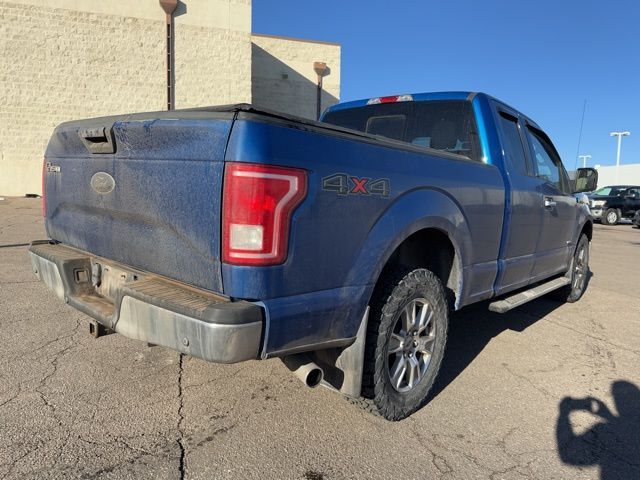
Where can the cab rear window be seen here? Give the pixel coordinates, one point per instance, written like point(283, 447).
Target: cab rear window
point(445, 125)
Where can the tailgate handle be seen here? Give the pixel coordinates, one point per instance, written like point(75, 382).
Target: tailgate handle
point(98, 140)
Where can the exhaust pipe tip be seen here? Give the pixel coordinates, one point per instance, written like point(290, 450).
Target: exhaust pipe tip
point(305, 369)
point(314, 377)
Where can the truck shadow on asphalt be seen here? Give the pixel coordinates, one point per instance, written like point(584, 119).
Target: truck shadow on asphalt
point(612, 442)
point(471, 329)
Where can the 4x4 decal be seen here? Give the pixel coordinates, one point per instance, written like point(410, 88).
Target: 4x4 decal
point(345, 184)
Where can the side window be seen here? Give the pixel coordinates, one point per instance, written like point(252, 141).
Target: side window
point(546, 162)
point(513, 147)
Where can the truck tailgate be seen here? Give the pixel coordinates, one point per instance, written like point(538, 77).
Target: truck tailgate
point(143, 190)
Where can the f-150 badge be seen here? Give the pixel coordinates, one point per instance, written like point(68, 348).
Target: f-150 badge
point(344, 184)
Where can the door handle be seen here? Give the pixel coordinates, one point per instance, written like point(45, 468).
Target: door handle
point(549, 203)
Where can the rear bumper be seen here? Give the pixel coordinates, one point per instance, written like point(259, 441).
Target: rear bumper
point(151, 308)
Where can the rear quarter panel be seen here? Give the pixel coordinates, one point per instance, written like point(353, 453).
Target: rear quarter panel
point(340, 243)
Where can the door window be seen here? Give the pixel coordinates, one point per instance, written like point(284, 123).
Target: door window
point(513, 148)
point(633, 191)
point(546, 162)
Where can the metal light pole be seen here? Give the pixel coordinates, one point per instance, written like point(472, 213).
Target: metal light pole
point(619, 135)
point(321, 70)
point(169, 6)
point(584, 159)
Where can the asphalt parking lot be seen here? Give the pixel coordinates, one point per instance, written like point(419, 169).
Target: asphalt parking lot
point(548, 391)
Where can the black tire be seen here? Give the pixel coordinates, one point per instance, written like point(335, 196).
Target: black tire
point(579, 274)
point(611, 216)
point(421, 348)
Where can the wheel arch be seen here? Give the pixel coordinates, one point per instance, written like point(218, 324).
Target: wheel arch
point(587, 229)
point(424, 220)
point(433, 249)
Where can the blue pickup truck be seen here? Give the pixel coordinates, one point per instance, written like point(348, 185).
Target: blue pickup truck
point(234, 233)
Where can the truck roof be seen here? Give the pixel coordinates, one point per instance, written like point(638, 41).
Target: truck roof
point(426, 96)
point(416, 97)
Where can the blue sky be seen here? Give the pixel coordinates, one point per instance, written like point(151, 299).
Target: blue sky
point(544, 58)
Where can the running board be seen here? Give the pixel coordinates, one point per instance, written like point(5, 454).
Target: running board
point(517, 299)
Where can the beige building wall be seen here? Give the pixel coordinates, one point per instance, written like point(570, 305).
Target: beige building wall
point(212, 52)
point(283, 77)
point(70, 59)
point(623, 175)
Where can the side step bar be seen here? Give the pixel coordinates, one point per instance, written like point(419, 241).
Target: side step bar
point(520, 298)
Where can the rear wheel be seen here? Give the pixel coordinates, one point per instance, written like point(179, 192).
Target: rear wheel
point(579, 273)
point(405, 343)
point(610, 217)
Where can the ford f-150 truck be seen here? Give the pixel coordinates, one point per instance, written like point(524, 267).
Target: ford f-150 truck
point(234, 233)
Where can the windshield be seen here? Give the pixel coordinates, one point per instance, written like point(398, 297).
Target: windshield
point(446, 125)
point(609, 191)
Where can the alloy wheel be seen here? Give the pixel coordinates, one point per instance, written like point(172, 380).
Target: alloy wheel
point(580, 268)
point(410, 345)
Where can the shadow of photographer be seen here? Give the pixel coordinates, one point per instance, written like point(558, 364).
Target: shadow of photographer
point(613, 443)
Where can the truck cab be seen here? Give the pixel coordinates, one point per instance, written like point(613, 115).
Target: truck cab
point(538, 228)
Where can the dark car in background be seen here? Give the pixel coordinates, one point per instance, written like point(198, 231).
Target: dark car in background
point(610, 204)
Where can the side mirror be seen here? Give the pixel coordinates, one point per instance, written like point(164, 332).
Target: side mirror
point(586, 180)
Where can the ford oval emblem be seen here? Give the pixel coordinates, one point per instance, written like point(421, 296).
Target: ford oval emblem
point(102, 183)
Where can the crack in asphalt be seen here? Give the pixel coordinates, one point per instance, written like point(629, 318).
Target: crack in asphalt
point(54, 363)
point(19, 282)
point(449, 444)
point(240, 368)
point(181, 466)
point(525, 379)
point(551, 319)
point(42, 383)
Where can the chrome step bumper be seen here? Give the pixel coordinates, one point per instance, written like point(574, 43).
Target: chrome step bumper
point(151, 308)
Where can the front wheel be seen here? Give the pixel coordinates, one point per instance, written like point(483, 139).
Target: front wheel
point(579, 273)
point(405, 343)
point(610, 217)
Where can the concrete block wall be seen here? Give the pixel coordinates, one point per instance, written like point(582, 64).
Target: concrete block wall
point(70, 59)
point(283, 78)
point(213, 66)
point(212, 52)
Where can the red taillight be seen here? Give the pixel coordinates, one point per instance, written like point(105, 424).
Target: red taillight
point(256, 212)
point(44, 184)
